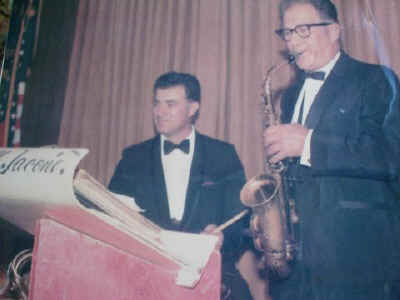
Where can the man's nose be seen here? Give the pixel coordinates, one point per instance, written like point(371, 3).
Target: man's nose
point(295, 41)
point(160, 110)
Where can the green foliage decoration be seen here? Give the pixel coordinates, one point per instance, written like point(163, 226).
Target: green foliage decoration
point(5, 14)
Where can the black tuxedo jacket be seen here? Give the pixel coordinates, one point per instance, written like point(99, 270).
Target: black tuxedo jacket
point(216, 177)
point(348, 199)
point(355, 118)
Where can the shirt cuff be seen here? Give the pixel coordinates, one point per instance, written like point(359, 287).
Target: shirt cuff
point(305, 158)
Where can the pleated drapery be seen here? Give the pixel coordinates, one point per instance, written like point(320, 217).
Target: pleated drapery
point(121, 47)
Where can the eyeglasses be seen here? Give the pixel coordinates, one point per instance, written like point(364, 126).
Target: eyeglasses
point(302, 30)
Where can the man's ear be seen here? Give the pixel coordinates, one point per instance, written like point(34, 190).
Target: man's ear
point(193, 108)
point(334, 32)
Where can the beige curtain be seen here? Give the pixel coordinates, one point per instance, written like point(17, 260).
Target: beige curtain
point(120, 47)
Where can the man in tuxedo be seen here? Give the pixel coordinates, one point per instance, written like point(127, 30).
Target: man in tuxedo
point(340, 136)
point(184, 180)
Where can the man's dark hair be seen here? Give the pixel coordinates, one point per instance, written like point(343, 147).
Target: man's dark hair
point(188, 81)
point(327, 10)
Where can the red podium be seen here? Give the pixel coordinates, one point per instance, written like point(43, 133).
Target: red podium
point(77, 256)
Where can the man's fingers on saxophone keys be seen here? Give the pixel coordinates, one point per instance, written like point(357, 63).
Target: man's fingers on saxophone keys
point(284, 141)
point(277, 157)
point(271, 136)
point(272, 152)
point(274, 143)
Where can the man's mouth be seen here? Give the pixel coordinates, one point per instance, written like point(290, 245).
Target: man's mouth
point(297, 54)
point(162, 121)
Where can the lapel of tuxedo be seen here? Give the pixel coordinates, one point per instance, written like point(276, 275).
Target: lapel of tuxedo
point(159, 186)
point(290, 100)
point(328, 92)
point(195, 181)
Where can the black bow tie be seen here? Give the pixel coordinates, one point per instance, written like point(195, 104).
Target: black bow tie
point(183, 146)
point(315, 75)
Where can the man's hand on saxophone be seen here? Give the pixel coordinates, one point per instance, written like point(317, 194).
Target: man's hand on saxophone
point(284, 141)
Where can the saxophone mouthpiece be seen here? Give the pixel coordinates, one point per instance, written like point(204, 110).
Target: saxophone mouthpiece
point(292, 57)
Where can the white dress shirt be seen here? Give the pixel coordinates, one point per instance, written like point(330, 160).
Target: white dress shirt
point(309, 91)
point(176, 166)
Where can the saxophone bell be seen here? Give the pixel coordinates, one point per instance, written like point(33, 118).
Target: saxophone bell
point(262, 193)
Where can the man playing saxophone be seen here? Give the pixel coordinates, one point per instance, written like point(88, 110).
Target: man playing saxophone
point(341, 130)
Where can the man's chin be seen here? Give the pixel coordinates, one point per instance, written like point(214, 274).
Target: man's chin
point(305, 66)
point(301, 62)
point(160, 130)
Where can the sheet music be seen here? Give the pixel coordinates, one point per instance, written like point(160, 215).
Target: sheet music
point(34, 181)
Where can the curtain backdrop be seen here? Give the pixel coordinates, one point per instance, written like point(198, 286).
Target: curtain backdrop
point(121, 47)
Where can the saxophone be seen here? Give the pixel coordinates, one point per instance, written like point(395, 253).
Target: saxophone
point(273, 213)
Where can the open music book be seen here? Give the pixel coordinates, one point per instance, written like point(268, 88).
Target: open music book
point(36, 181)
